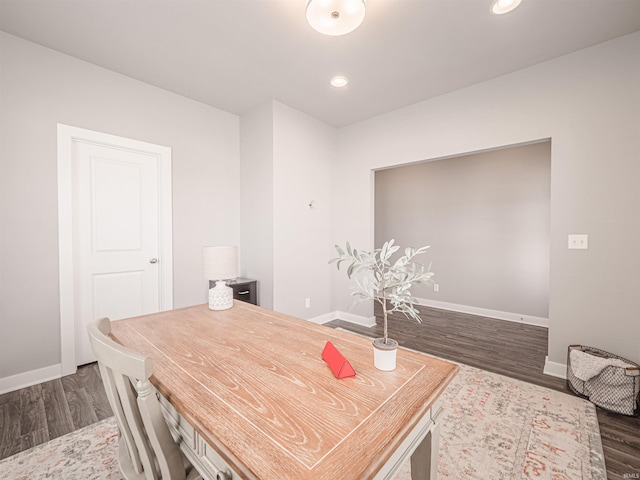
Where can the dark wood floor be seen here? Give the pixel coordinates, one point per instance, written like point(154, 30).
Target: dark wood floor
point(37, 414)
point(40, 413)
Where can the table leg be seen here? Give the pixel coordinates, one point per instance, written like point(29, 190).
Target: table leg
point(424, 460)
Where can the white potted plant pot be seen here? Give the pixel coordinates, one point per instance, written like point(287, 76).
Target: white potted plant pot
point(384, 354)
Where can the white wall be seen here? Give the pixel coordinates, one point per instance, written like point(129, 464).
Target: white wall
point(286, 162)
point(304, 149)
point(41, 88)
point(256, 192)
point(588, 104)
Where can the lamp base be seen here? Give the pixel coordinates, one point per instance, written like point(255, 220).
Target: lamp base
point(220, 296)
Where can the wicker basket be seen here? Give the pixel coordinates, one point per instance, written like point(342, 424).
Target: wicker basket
point(615, 389)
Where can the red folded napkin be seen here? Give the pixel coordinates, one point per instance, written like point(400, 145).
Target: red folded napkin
point(339, 365)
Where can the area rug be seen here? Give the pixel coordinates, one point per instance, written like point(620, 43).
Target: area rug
point(88, 453)
point(492, 428)
point(495, 427)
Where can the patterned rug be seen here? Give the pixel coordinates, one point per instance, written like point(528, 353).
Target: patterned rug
point(492, 428)
point(88, 453)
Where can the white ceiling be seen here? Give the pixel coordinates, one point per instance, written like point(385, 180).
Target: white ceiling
point(237, 54)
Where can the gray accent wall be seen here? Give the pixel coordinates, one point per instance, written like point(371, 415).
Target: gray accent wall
point(486, 218)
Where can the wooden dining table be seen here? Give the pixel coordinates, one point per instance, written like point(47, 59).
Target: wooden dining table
point(248, 396)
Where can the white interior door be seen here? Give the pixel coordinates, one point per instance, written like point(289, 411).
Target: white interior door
point(116, 228)
point(115, 233)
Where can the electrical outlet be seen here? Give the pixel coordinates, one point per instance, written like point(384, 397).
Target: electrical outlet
point(436, 287)
point(307, 303)
point(579, 242)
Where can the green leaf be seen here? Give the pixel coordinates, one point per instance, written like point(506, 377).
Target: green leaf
point(383, 251)
point(382, 281)
point(351, 269)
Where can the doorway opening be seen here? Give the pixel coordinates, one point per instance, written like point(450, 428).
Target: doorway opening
point(486, 216)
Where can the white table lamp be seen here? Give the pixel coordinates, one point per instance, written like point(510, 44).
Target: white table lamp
point(220, 264)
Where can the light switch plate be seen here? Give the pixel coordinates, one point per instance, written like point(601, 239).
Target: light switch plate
point(579, 242)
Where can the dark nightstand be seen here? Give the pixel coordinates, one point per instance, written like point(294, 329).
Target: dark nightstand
point(244, 289)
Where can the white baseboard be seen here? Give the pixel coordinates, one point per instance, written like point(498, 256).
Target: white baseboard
point(357, 319)
point(484, 312)
point(555, 369)
point(347, 317)
point(27, 379)
point(327, 317)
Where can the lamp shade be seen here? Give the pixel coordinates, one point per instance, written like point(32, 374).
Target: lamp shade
point(220, 263)
point(335, 17)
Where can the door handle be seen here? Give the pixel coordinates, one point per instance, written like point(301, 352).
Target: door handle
point(153, 260)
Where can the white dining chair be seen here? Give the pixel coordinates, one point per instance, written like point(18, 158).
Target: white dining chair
point(146, 449)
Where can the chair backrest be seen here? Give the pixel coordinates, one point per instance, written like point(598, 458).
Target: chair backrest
point(150, 453)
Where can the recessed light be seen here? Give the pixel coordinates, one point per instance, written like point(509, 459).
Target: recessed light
point(339, 81)
point(500, 7)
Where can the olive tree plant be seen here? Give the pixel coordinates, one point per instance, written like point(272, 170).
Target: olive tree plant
point(387, 283)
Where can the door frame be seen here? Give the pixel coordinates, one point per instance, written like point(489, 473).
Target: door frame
point(67, 136)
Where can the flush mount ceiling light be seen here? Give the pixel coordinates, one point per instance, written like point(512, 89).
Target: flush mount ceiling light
point(500, 7)
point(339, 81)
point(335, 17)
